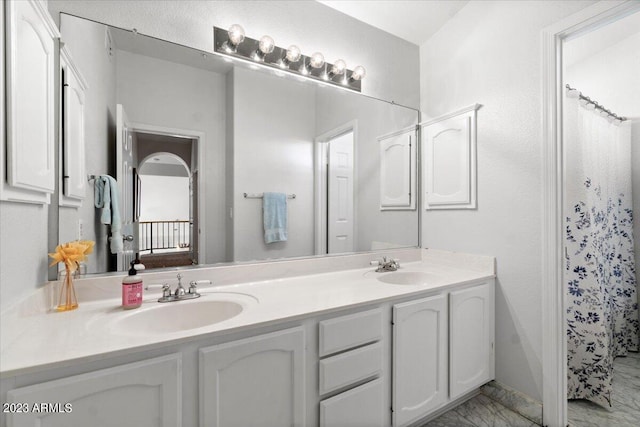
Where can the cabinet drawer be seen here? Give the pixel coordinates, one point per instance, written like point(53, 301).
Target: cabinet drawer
point(361, 407)
point(348, 368)
point(343, 333)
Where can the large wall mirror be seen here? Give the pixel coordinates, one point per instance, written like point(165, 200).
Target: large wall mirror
point(195, 140)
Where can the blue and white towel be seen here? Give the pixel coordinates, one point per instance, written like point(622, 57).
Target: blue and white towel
point(274, 212)
point(106, 197)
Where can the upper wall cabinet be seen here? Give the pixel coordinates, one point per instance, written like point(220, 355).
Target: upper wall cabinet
point(73, 158)
point(398, 170)
point(449, 160)
point(31, 77)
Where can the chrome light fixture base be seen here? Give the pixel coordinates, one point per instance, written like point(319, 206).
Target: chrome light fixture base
point(247, 48)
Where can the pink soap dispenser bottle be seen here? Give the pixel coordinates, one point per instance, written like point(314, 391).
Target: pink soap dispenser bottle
point(132, 289)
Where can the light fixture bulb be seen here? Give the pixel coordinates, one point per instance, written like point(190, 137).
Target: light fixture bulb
point(236, 34)
point(266, 44)
point(339, 67)
point(293, 53)
point(316, 60)
point(358, 73)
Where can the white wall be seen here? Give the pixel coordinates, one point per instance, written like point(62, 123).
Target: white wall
point(391, 63)
point(164, 198)
point(274, 128)
point(610, 76)
point(163, 93)
point(490, 53)
point(374, 119)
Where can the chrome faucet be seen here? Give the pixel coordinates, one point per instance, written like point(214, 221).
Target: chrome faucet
point(180, 293)
point(384, 265)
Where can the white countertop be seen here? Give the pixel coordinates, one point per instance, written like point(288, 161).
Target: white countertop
point(33, 339)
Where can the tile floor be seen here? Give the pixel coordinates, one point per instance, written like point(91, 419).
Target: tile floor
point(625, 410)
point(482, 411)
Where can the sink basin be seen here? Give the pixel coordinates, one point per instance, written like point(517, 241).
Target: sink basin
point(177, 316)
point(407, 278)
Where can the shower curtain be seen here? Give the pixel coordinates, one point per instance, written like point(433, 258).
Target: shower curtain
point(602, 306)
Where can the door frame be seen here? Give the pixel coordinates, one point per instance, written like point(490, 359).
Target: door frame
point(554, 343)
point(320, 183)
point(199, 138)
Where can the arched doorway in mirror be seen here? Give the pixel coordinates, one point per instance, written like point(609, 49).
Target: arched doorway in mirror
point(166, 204)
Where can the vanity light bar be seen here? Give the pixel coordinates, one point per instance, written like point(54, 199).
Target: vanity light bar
point(234, 44)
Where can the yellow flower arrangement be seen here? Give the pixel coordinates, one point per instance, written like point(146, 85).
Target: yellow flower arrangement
point(72, 253)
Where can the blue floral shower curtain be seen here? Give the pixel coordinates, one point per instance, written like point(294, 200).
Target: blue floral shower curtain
point(602, 307)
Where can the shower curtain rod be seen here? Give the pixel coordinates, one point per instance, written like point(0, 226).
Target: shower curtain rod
point(597, 106)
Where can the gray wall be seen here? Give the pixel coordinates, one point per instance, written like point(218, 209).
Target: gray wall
point(490, 53)
point(273, 134)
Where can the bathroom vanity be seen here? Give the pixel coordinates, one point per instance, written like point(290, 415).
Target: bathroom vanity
point(341, 347)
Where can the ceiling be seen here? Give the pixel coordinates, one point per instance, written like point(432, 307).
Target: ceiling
point(412, 20)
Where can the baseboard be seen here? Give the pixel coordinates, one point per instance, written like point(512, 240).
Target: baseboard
point(518, 402)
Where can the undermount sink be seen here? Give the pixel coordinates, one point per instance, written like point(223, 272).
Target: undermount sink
point(405, 277)
point(177, 316)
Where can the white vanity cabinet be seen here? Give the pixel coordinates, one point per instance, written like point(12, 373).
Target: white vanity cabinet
point(257, 381)
point(141, 394)
point(419, 358)
point(442, 350)
point(471, 338)
point(31, 92)
point(393, 363)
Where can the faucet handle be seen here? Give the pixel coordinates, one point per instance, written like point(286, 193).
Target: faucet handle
point(166, 289)
point(193, 285)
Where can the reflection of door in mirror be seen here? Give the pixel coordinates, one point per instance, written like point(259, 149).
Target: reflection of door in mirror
point(335, 190)
point(167, 200)
point(125, 162)
point(340, 194)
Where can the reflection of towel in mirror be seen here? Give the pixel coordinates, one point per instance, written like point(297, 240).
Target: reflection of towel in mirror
point(274, 212)
point(106, 198)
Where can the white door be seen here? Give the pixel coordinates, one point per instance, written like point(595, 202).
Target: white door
point(471, 356)
point(258, 381)
point(141, 394)
point(124, 176)
point(340, 194)
point(419, 358)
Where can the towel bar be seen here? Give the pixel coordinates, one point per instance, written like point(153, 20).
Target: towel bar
point(259, 196)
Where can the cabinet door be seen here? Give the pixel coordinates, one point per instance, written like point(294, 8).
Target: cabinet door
point(142, 394)
point(30, 102)
point(471, 357)
point(258, 381)
point(449, 160)
point(361, 407)
point(74, 178)
point(419, 358)
point(397, 171)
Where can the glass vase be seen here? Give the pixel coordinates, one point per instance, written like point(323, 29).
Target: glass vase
point(65, 296)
